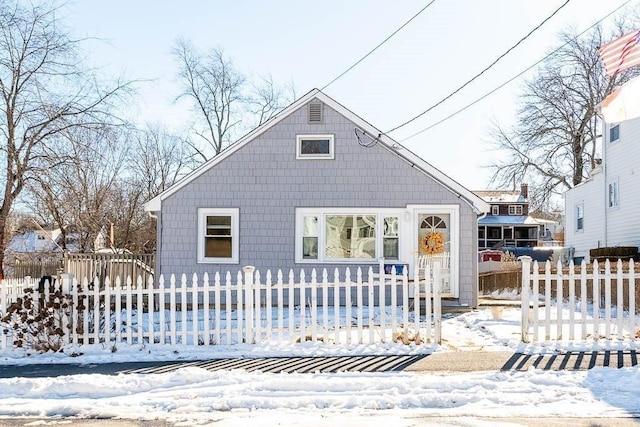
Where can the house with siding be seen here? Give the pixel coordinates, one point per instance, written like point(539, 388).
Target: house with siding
point(36, 241)
point(604, 210)
point(317, 187)
point(508, 224)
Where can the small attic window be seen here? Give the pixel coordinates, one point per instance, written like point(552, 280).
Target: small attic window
point(314, 147)
point(315, 112)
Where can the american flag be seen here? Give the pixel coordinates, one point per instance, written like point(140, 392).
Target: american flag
point(621, 53)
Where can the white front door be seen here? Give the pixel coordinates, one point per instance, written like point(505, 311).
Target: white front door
point(434, 245)
point(435, 239)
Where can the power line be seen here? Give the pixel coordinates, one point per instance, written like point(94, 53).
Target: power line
point(514, 77)
point(481, 72)
point(380, 44)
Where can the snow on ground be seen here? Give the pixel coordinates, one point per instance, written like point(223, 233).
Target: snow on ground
point(194, 396)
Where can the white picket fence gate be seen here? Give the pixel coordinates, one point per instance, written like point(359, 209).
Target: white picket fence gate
point(578, 305)
point(197, 311)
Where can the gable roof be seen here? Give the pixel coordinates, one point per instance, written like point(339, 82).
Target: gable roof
point(32, 241)
point(501, 196)
point(477, 203)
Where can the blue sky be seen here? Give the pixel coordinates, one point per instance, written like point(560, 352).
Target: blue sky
point(310, 43)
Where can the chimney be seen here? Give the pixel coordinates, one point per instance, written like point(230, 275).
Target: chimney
point(524, 191)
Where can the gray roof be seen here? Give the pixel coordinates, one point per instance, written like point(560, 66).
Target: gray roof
point(508, 220)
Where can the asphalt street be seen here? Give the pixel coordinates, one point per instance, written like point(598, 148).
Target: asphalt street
point(459, 361)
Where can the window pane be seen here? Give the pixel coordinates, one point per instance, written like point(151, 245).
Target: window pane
point(613, 194)
point(314, 146)
point(350, 236)
point(390, 246)
point(579, 217)
point(310, 247)
point(217, 247)
point(218, 226)
point(391, 226)
point(614, 133)
point(310, 226)
point(219, 221)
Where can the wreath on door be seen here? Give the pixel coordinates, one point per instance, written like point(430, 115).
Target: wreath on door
point(432, 243)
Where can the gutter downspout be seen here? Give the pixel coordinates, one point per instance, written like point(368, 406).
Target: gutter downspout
point(605, 190)
point(156, 264)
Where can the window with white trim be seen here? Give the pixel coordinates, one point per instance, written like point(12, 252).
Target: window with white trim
point(579, 217)
point(614, 133)
point(314, 147)
point(515, 209)
point(613, 194)
point(346, 235)
point(218, 235)
point(495, 210)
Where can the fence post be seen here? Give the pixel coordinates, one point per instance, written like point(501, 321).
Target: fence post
point(437, 304)
point(526, 271)
point(248, 283)
point(66, 287)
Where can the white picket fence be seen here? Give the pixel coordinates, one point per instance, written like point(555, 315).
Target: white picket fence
point(199, 311)
point(578, 305)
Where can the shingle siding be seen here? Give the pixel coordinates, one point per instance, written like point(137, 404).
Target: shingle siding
point(266, 182)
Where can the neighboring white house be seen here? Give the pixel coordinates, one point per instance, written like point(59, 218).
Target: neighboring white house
point(29, 243)
point(604, 210)
point(35, 241)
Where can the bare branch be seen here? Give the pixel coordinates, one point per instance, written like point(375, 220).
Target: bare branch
point(553, 145)
point(45, 93)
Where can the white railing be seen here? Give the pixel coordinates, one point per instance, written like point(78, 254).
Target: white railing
point(222, 311)
point(591, 303)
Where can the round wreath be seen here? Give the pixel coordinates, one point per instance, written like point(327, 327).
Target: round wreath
point(432, 243)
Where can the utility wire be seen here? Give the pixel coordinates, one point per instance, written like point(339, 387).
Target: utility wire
point(481, 72)
point(380, 44)
point(514, 77)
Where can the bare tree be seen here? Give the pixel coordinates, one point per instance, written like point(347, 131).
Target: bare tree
point(553, 145)
point(157, 160)
point(100, 188)
point(44, 91)
point(79, 192)
point(267, 99)
point(214, 85)
point(225, 101)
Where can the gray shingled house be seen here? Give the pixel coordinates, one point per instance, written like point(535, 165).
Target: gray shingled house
point(318, 187)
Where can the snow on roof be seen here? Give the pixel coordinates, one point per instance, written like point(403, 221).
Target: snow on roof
point(500, 196)
point(508, 220)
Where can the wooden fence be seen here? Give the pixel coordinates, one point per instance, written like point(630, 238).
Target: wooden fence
point(581, 303)
point(33, 268)
point(103, 265)
point(91, 265)
point(197, 311)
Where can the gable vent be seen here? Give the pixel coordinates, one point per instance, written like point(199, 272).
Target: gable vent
point(315, 112)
